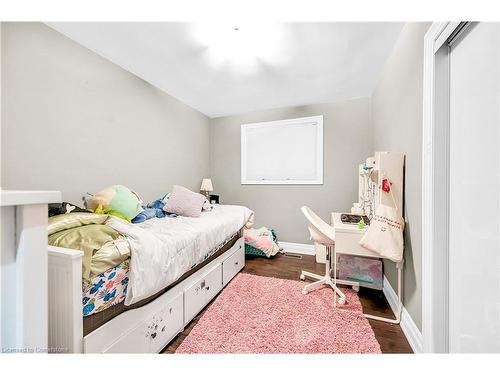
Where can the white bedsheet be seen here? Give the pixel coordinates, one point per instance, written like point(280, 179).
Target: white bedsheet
point(164, 249)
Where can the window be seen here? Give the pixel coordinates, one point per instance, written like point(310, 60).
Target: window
point(283, 152)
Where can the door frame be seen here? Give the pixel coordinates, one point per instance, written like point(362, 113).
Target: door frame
point(435, 184)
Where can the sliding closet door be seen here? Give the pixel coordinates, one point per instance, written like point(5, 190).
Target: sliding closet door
point(474, 225)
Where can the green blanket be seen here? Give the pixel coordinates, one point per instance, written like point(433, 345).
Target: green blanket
point(102, 246)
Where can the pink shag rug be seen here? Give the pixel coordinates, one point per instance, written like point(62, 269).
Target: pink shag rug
point(256, 314)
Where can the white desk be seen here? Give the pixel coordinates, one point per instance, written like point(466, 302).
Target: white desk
point(347, 237)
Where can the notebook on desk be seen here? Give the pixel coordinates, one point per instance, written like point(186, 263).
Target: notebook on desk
point(353, 219)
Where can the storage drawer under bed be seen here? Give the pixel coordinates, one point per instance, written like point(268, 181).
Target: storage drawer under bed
point(234, 263)
point(204, 289)
point(201, 292)
point(148, 336)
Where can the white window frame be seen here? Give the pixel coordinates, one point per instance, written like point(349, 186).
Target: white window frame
point(319, 150)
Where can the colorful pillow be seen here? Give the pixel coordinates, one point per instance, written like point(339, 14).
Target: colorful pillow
point(184, 202)
point(116, 200)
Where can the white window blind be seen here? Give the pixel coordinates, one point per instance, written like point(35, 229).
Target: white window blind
point(282, 152)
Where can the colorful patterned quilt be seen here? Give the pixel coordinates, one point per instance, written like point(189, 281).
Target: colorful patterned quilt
point(107, 289)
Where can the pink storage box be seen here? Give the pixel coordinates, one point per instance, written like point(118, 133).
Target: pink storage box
point(367, 271)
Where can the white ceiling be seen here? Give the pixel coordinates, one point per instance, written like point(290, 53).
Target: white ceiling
point(222, 71)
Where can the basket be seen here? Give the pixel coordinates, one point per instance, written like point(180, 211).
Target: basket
point(253, 251)
point(250, 250)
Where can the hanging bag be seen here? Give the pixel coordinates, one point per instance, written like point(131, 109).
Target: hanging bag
point(385, 233)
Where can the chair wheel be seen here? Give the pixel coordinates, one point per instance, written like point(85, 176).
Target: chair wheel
point(304, 291)
point(302, 277)
point(355, 288)
point(341, 301)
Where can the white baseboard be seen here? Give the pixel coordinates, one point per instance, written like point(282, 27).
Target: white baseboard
point(297, 248)
point(410, 329)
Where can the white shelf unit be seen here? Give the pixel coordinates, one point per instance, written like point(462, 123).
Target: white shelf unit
point(24, 270)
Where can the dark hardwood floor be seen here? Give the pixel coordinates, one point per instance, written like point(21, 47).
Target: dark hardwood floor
point(389, 336)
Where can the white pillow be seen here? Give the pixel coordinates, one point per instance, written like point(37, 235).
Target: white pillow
point(207, 206)
point(184, 202)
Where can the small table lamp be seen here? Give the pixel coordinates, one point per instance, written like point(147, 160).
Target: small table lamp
point(206, 187)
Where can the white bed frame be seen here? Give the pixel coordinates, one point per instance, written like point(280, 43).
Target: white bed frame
point(147, 329)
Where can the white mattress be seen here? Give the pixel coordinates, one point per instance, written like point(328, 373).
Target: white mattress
point(164, 249)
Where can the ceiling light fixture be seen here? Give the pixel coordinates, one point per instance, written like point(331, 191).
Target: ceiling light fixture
point(242, 45)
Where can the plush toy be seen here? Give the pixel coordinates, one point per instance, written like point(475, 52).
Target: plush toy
point(116, 200)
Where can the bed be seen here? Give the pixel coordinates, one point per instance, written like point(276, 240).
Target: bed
point(177, 266)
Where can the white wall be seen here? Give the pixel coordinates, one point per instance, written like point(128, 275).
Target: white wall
point(347, 141)
point(1, 166)
point(75, 122)
point(397, 126)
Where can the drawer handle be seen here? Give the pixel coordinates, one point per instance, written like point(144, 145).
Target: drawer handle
point(236, 263)
point(207, 287)
point(170, 310)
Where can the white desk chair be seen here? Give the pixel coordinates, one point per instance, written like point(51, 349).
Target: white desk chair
point(322, 234)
